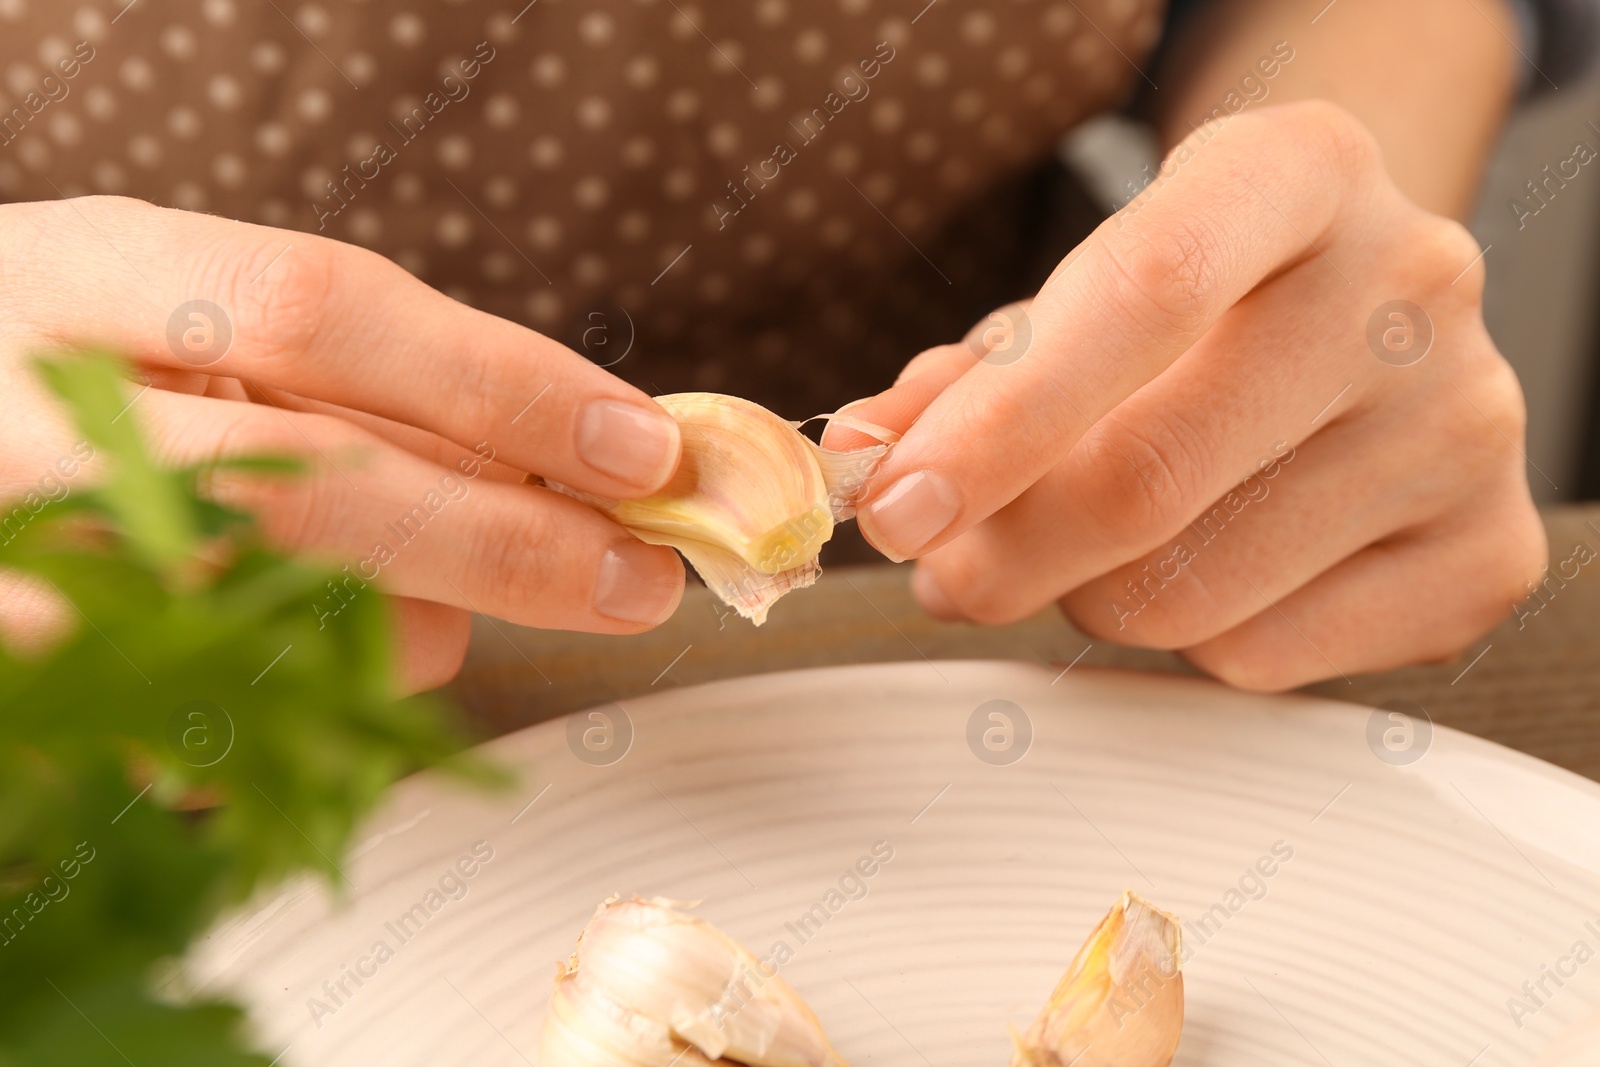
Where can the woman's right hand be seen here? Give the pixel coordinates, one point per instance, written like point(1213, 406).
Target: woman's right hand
point(257, 340)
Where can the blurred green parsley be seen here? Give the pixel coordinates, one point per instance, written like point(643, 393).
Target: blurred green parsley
point(196, 675)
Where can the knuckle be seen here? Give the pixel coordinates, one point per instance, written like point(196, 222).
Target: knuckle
point(1508, 568)
point(1235, 662)
point(1180, 616)
point(519, 555)
point(1098, 615)
point(1526, 557)
point(299, 513)
point(254, 433)
point(1341, 142)
point(1504, 403)
point(1094, 616)
point(280, 310)
point(296, 512)
point(976, 417)
point(1494, 422)
point(1455, 246)
point(1171, 274)
point(1139, 483)
point(1516, 562)
point(1433, 256)
point(1154, 604)
point(987, 601)
point(982, 591)
point(473, 395)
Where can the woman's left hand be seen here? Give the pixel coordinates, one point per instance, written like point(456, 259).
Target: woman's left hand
point(1256, 417)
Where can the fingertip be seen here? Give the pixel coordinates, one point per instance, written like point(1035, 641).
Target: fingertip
point(932, 597)
point(842, 438)
point(1241, 674)
point(431, 640)
point(637, 445)
point(911, 515)
point(941, 360)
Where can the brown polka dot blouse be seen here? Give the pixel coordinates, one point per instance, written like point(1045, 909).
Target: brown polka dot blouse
point(784, 199)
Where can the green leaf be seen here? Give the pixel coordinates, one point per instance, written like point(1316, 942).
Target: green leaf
point(148, 503)
point(219, 684)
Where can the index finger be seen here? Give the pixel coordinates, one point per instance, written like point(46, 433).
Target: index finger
point(1231, 207)
point(337, 323)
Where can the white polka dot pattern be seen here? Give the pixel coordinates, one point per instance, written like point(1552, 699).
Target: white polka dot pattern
point(724, 165)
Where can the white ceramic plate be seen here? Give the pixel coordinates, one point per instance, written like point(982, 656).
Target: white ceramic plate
point(1406, 906)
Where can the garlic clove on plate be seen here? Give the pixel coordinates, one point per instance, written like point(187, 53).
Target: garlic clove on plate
point(586, 1026)
point(752, 502)
point(1120, 1004)
point(649, 982)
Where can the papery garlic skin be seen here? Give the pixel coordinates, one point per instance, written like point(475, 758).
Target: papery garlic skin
point(1120, 1004)
point(650, 982)
point(752, 502)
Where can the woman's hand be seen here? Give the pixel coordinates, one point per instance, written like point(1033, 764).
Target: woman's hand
point(1256, 417)
point(264, 341)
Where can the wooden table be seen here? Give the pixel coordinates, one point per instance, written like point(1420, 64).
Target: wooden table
point(1533, 687)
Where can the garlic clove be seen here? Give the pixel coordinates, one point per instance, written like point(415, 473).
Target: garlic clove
point(1120, 1004)
point(585, 1026)
point(749, 482)
point(647, 974)
point(752, 502)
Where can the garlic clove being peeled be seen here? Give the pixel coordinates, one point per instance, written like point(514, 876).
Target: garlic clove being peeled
point(649, 983)
point(752, 502)
point(1120, 1003)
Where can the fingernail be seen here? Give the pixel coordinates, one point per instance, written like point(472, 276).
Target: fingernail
point(638, 583)
point(630, 443)
point(931, 595)
point(911, 513)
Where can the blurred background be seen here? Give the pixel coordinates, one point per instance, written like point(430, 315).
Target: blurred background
point(1544, 275)
point(1540, 304)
